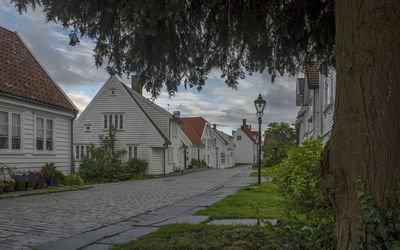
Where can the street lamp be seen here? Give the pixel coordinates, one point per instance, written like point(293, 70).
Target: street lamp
point(111, 132)
point(260, 105)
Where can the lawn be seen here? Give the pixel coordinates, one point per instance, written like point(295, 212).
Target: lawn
point(246, 202)
point(201, 236)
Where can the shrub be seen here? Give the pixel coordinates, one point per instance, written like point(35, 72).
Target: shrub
point(51, 168)
point(136, 166)
point(103, 165)
point(298, 175)
point(195, 162)
point(73, 180)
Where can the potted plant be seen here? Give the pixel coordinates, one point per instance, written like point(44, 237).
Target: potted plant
point(33, 178)
point(9, 185)
point(20, 181)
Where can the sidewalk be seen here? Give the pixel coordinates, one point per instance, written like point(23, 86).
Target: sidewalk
point(132, 228)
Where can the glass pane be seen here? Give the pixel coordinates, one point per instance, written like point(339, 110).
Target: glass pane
point(77, 152)
point(110, 121)
point(105, 121)
point(130, 152)
point(3, 142)
point(39, 133)
point(121, 121)
point(135, 152)
point(116, 122)
point(16, 131)
point(82, 151)
point(49, 134)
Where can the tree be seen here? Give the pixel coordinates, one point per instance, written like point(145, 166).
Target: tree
point(279, 137)
point(167, 42)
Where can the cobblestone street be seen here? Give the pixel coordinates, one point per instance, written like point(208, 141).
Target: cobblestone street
point(34, 220)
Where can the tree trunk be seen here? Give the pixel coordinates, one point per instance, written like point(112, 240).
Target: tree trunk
point(365, 140)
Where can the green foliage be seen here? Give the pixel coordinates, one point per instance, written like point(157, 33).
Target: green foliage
point(298, 175)
point(73, 180)
point(317, 233)
point(51, 168)
point(279, 141)
point(136, 166)
point(103, 165)
point(379, 229)
point(169, 42)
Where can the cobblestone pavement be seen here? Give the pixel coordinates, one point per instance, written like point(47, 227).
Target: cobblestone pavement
point(33, 220)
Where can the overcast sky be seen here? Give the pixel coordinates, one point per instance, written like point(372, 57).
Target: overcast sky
point(74, 70)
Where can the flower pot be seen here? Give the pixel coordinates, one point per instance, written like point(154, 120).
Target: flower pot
point(20, 186)
point(9, 187)
point(31, 184)
point(2, 188)
point(53, 182)
point(40, 184)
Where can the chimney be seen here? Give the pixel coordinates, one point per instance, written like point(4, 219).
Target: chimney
point(250, 127)
point(137, 84)
point(215, 126)
point(177, 114)
point(244, 123)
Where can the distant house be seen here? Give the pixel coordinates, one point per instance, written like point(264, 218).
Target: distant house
point(215, 153)
point(315, 94)
point(192, 141)
point(246, 142)
point(143, 129)
point(35, 114)
point(227, 154)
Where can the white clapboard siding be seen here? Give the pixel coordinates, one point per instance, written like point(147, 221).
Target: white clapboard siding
point(28, 158)
point(244, 150)
point(137, 129)
point(157, 161)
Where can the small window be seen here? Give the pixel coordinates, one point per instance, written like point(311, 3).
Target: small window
point(16, 131)
point(77, 153)
point(113, 92)
point(238, 137)
point(49, 134)
point(121, 121)
point(222, 157)
point(105, 121)
point(87, 128)
point(3, 130)
point(132, 152)
point(116, 120)
point(39, 134)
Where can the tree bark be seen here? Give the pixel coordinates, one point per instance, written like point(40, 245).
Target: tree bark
point(365, 140)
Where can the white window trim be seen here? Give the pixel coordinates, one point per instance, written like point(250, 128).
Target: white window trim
point(86, 148)
point(113, 114)
point(133, 151)
point(44, 150)
point(9, 149)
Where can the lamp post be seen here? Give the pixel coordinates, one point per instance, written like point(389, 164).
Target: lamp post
point(111, 132)
point(260, 105)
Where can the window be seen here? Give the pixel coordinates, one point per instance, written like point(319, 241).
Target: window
point(132, 151)
point(82, 151)
point(238, 137)
point(44, 134)
point(16, 131)
point(117, 120)
point(3, 130)
point(329, 82)
point(222, 157)
point(170, 154)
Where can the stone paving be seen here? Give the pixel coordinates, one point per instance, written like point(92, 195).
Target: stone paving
point(121, 209)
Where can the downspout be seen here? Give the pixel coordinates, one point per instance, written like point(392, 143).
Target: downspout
point(72, 144)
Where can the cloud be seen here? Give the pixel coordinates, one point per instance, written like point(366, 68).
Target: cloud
point(79, 99)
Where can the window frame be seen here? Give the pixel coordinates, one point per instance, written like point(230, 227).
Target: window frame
point(45, 119)
point(79, 149)
point(134, 153)
point(111, 118)
point(10, 114)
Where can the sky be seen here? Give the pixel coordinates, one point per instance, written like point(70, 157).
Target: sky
point(73, 68)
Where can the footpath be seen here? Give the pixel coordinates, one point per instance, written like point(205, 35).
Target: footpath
point(132, 228)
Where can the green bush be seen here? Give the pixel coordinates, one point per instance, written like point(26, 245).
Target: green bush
point(102, 165)
point(298, 175)
point(73, 180)
point(136, 166)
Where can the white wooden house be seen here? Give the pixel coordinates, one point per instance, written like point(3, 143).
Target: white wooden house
point(36, 116)
point(246, 142)
point(315, 95)
point(194, 146)
point(227, 153)
point(143, 129)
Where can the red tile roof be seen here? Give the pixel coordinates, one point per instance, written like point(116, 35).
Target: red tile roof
point(312, 76)
point(191, 134)
point(197, 123)
point(21, 74)
point(167, 141)
point(249, 133)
